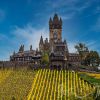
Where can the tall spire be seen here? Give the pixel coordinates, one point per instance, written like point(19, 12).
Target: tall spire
point(41, 40)
point(21, 49)
point(60, 21)
point(50, 21)
point(55, 18)
point(55, 23)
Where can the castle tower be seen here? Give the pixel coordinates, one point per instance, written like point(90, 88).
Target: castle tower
point(55, 29)
point(41, 44)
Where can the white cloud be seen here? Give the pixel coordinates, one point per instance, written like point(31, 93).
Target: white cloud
point(92, 45)
point(68, 16)
point(29, 35)
point(71, 47)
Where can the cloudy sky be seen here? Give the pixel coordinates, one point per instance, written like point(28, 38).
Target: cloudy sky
point(23, 22)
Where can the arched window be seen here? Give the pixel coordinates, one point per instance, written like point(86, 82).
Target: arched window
point(55, 35)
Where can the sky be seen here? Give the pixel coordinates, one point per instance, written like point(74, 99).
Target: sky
point(24, 21)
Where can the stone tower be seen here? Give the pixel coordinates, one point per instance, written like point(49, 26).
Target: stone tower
point(55, 30)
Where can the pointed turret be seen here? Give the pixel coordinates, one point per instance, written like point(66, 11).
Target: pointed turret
point(41, 40)
point(55, 18)
point(41, 44)
point(50, 21)
point(37, 50)
point(66, 46)
point(46, 40)
point(22, 48)
point(60, 21)
point(30, 47)
point(56, 23)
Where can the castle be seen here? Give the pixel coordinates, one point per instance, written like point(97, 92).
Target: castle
point(56, 47)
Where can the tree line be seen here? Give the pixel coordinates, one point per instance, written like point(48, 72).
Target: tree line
point(88, 57)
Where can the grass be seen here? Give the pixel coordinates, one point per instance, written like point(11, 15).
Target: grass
point(4, 74)
point(16, 84)
point(92, 78)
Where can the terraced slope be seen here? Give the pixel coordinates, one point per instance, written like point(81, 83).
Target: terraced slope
point(59, 85)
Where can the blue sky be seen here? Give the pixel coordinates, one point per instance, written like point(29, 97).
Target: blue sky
point(23, 22)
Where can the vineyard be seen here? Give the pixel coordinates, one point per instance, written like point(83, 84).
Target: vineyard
point(15, 83)
point(46, 84)
point(59, 85)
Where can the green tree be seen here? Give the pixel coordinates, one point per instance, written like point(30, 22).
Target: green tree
point(82, 50)
point(92, 58)
point(45, 58)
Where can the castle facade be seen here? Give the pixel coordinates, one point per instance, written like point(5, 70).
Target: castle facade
point(55, 46)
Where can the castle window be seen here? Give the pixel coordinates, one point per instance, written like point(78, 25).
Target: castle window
point(55, 35)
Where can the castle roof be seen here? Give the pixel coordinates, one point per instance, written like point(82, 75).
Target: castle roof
point(25, 53)
point(56, 22)
point(55, 18)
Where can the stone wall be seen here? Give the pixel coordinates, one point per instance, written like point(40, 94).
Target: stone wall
point(7, 64)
